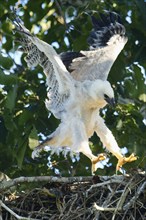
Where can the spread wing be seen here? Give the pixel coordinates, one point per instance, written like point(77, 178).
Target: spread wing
point(59, 81)
point(106, 41)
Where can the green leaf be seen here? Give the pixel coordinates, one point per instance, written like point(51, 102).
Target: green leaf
point(9, 121)
point(20, 155)
point(5, 62)
point(24, 117)
point(7, 79)
point(139, 80)
point(11, 98)
point(33, 138)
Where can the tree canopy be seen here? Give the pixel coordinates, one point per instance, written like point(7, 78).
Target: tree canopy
point(23, 116)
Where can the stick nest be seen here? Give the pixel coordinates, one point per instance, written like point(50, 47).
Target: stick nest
point(93, 198)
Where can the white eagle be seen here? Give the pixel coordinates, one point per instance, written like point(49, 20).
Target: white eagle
point(78, 87)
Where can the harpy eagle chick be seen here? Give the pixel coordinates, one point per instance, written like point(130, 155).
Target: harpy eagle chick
point(78, 87)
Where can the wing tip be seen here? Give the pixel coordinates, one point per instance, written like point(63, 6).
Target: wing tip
point(104, 28)
point(18, 23)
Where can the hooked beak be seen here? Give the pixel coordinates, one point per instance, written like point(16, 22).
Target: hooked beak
point(110, 101)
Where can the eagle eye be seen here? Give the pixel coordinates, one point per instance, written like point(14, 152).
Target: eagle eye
point(106, 96)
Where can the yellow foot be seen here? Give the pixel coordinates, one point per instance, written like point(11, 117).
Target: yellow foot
point(96, 160)
point(124, 160)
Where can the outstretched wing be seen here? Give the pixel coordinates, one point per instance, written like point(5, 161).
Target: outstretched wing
point(59, 80)
point(106, 41)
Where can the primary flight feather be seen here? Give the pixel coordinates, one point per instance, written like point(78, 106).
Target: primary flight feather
point(78, 87)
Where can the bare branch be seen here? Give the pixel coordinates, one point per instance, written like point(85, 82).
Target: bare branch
point(114, 180)
point(134, 198)
point(13, 182)
point(122, 199)
point(13, 213)
point(5, 184)
point(105, 209)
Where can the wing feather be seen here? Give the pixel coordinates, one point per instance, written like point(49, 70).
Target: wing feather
point(106, 41)
point(59, 81)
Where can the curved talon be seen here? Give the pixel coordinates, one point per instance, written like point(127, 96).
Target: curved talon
point(124, 160)
point(94, 161)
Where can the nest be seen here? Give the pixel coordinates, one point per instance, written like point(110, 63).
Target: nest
point(76, 198)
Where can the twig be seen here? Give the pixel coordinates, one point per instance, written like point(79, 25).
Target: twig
point(1, 218)
point(5, 184)
point(13, 213)
point(134, 198)
point(73, 202)
point(107, 200)
point(122, 198)
point(105, 209)
point(52, 179)
point(104, 183)
point(120, 203)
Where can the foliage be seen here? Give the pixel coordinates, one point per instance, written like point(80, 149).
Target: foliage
point(23, 116)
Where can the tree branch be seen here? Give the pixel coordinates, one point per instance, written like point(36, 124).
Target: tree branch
point(122, 199)
point(13, 182)
point(119, 179)
point(105, 209)
point(13, 213)
point(135, 197)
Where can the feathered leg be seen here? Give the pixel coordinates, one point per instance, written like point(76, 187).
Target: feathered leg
point(58, 138)
point(110, 143)
point(81, 144)
point(73, 135)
